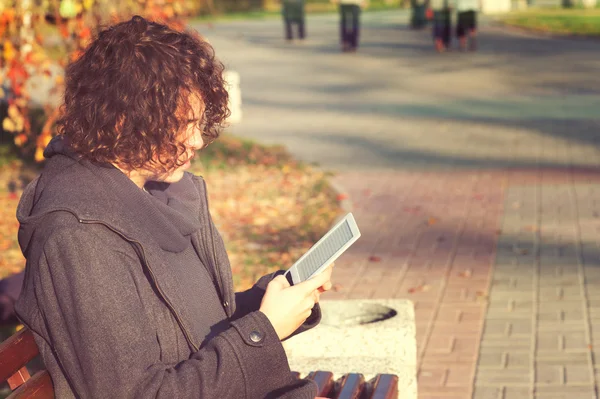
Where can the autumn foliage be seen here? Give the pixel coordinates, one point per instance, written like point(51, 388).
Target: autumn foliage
point(39, 37)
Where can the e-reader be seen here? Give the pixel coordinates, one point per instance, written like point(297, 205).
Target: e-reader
point(337, 240)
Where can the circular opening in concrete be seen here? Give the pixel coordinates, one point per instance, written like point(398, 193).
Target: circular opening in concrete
point(352, 314)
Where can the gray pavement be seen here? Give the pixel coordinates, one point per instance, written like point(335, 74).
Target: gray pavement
point(474, 175)
point(397, 104)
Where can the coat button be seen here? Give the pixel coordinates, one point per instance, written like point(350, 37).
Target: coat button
point(255, 336)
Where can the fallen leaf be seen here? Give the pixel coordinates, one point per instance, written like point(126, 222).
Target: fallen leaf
point(374, 259)
point(431, 221)
point(419, 288)
point(465, 274)
point(342, 196)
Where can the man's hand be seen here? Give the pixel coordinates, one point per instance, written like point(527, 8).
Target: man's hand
point(287, 307)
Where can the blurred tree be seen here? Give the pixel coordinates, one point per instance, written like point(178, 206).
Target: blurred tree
point(37, 40)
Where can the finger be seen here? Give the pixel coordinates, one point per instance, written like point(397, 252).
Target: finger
point(316, 295)
point(280, 281)
point(317, 281)
point(305, 315)
point(325, 287)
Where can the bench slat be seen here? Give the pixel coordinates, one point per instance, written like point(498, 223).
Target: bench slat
point(37, 387)
point(385, 386)
point(16, 352)
point(19, 378)
point(351, 386)
point(324, 380)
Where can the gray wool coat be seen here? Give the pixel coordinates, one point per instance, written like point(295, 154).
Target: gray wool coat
point(106, 312)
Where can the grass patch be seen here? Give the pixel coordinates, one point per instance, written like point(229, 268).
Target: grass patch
point(269, 207)
point(560, 21)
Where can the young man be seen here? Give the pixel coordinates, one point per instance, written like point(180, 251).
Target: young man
point(441, 24)
point(466, 27)
point(350, 23)
point(293, 14)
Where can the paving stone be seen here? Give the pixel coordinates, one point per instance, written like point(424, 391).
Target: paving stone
point(569, 293)
point(501, 359)
point(501, 313)
point(508, 328)
point(567, 341)
point(549, 375)
point(562, 358)
point(446, 375)
point(564, 392)
point(504, 392)
point(559, 314)
point(562, 326)
point(445, 392)
point(499, 295)
point(512, 377)
point(506, 344)
point(512, 305)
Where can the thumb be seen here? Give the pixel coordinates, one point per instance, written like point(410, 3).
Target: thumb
point(319, 280)
point(278, 283)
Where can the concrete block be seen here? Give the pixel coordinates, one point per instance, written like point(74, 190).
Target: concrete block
point(350, 339)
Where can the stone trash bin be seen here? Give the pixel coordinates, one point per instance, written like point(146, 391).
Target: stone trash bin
point(367, 336)
point(232, 83)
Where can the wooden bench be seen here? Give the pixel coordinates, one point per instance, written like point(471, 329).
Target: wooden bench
point(354, 386)
point(15, 352)
point(20, 349)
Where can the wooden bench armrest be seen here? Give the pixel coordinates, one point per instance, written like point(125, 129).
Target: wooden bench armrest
point(16, 352)
point(37, 387)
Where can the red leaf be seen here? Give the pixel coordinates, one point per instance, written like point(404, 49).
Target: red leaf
point(419, 288)
point(341, 197)
point(374, 259)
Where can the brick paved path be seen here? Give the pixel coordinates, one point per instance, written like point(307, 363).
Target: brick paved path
point(474, 179)
point(446, 236)
point(435, 234)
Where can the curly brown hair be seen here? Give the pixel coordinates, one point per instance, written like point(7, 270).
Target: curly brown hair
point(127, 97)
